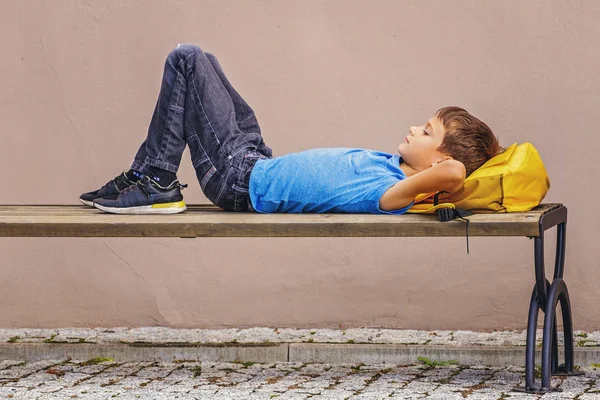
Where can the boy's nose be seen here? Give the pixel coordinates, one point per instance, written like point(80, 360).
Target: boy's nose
point(412, 130)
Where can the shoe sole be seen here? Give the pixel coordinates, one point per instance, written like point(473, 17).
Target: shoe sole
point(87, 202)
point(162, 208)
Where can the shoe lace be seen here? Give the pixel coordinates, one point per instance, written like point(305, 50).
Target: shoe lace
point(173, 185)
point(135, 185)
point(146, 180)
point(122, 181)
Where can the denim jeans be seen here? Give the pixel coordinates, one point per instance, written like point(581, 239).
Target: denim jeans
point(199, 107)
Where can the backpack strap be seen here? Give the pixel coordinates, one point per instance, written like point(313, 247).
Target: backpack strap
point(436, 203)
point(430, 210)
point(445, 211)
point(448, 214)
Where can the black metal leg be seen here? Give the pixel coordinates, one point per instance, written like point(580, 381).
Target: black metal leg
point(558, 293)
point(567, 369)
point(539, 299)
point(561, 243)
point(565, 306)
point(540, 272)
point(546, 296)
point(554, 356)
point(534, 309)
point(557, 289)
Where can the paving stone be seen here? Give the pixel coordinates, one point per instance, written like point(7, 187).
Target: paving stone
point(52, 387)
point(471, 376)
point(11, 392)
point(90, 369)
point(281, 381)
point(407, 395)
point(70, 378)
point(159, 371)
point(370, 395)
point(129, 368)
point(574, 386)
point(449, 396)
point(438, 374)
point(292, 394)
point(421, 387)
point(334, 394)
point(32, 381)
point(500, 377)
point(562, 396)
point(9, 363)
point(16, 372)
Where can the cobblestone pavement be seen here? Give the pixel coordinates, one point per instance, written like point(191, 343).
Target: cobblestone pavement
point(104, 379)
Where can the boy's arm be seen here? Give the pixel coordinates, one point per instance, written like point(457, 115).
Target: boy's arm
point(445, 176)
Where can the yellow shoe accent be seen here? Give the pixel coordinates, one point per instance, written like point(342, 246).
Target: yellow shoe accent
point(179, 204)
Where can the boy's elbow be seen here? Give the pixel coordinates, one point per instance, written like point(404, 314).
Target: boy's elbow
point(456, 175)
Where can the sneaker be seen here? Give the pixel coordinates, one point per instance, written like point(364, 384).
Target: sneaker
point(145, 197)
point(112, 188)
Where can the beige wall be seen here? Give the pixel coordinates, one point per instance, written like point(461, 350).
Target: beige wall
point(79, 82)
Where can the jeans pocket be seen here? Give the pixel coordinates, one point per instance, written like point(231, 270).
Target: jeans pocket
point(240, 197)
point(202, 163)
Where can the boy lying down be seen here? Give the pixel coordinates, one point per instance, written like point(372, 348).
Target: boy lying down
point(197, 106)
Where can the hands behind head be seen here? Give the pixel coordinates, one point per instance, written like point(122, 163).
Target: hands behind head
point(442, 160)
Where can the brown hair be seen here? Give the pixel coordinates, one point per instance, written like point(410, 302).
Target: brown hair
point(467, 139)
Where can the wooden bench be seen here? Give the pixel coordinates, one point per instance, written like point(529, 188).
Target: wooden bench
point(209, 221)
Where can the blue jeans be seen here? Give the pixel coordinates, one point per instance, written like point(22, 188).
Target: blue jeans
point(198, 106)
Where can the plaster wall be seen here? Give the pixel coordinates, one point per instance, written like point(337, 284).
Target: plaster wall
point(79, 82)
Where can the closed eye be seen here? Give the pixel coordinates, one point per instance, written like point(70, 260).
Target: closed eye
point(425, 132)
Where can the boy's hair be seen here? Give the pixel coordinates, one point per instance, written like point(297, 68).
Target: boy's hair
point(467, 139)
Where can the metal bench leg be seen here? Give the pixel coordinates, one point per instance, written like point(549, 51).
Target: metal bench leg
point(558, 293)
point(565, 369)
point(534, 309)
point(546, 296)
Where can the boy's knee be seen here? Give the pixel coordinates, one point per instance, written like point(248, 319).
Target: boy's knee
point(183, 50)
point(210, 56)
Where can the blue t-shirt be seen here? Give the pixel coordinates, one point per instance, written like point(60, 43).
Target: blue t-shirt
point(325, 180)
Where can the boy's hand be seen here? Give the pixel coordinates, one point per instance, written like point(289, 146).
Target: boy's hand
point(446, 175)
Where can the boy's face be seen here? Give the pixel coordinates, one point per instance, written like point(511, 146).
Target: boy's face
point(419, 148)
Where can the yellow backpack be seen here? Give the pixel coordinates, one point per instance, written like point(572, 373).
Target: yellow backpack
point(512, 181)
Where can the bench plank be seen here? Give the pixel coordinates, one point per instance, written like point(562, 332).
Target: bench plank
point(210, 221)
